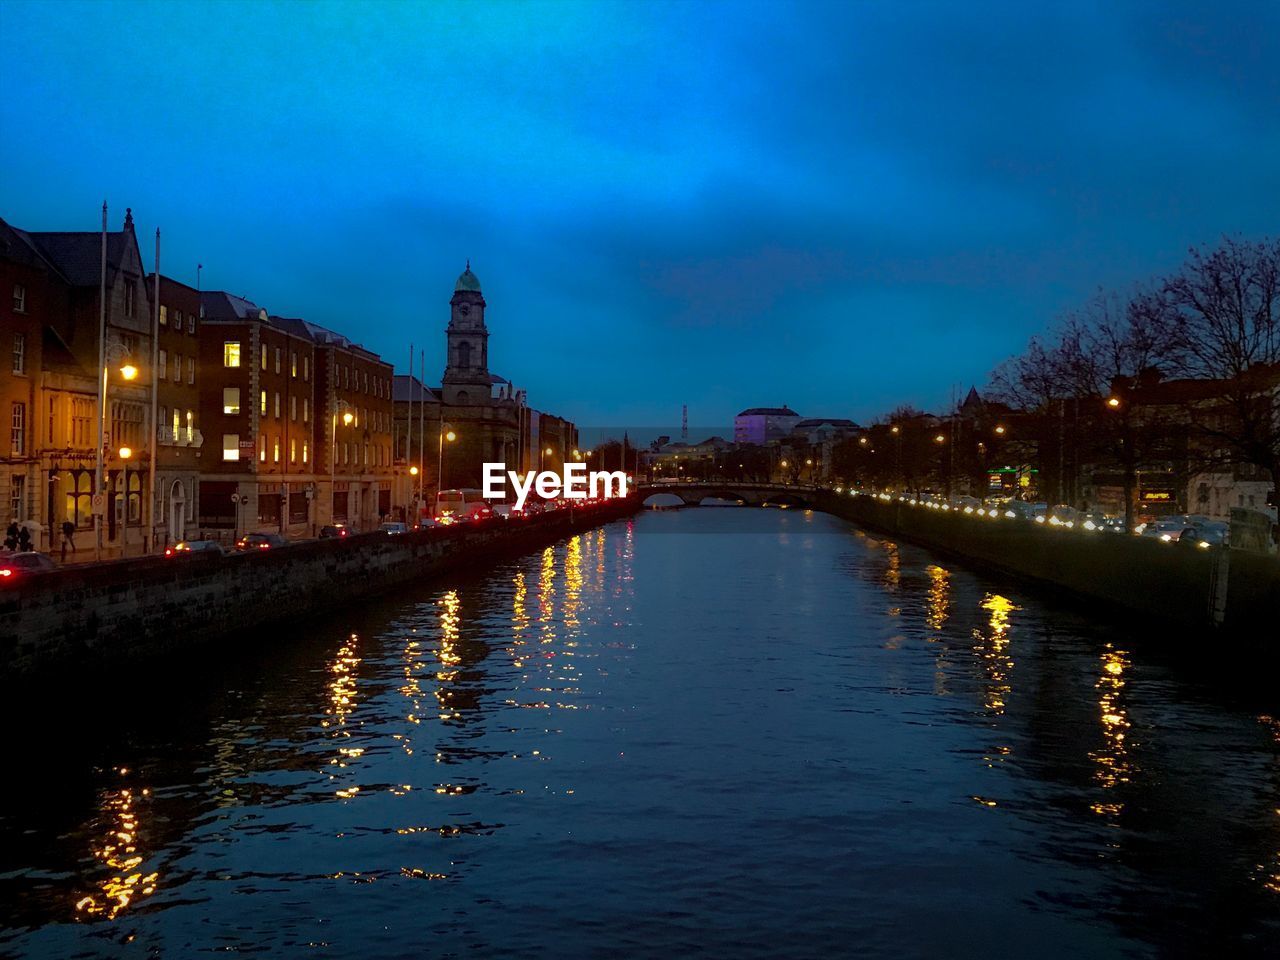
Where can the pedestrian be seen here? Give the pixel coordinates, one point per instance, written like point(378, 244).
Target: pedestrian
point(11, 536)
point(68, 538)
point(24, 539)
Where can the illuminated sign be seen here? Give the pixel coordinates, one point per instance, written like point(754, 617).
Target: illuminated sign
point(1157, 496)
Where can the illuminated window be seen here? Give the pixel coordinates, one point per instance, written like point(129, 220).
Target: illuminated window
point(164, 315)
point(304, 451)
point(306, 406)
point(191, 424)
point(293, 450)
point(293, 408)
point(264, 403)
point(231, 353)
point(177, 422)
point(293, 363)
point(277, 404)
point(231, 446)
point(306, 367)
point(275, 450)
point(262, 448)
point(230, 399)
point(263, 364)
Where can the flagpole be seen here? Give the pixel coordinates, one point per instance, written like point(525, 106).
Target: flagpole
point(422, 427)
point(149, 534)
point(102, 386)
point(408, 454)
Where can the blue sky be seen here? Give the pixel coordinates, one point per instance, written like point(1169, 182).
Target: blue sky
point(840, 207)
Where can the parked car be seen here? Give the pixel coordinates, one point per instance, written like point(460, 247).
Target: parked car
point(334, 530)
point(1166, 529)
point(17, 566)
point(196, 548)
point(393, 527)
point(260, 541)
point(1208, 533)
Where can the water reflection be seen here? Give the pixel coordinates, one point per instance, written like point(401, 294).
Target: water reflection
point(541, 754)
point(1113, 764)
point(119, 851)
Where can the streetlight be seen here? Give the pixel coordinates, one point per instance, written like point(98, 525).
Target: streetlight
point(112, 351)
point(939, 439)
point(1113, 402)
point(1000, 430)
point(542, 459)
point(125, 453)
point(445, 434)
point(348, 416)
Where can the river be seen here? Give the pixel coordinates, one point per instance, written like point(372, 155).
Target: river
point(719, 732)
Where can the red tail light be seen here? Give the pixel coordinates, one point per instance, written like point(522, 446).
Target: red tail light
point(5, 572)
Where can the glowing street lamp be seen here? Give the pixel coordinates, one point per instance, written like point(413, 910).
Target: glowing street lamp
point(939, 439)
point(1113, 402)
point(1000, 430)
point(348, 417)
point(129, 372)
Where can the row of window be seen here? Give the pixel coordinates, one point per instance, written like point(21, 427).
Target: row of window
point(377, 455)
point(163, 364)
point(177, 320)
point(20, 353)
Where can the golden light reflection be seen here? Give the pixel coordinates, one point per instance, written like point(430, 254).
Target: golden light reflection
point(450, 619)
point(519, 619)
point(572, 584)
point(1113, 766)
point(992, 647)
point(119, 852)
point(939, 599)
point(893, 566)
point(342, 688)
point(547, 595)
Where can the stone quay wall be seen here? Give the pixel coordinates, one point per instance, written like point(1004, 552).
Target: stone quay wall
point(1184, 589)
point(80, 617)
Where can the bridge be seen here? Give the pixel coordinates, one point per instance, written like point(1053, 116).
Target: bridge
point(691, 493)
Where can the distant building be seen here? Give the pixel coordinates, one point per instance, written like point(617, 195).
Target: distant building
point(760, 425)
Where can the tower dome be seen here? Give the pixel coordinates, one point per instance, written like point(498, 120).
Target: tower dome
point(467, 281)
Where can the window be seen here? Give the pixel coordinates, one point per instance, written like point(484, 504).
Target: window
point(293, 364)
point(263, 408)
point(18, 432)
point(164, 315)
point(231, 446)
point(263, 365)
point(231, 353)
point(464, 355)
point(306, 368)
point(277, 405)
point(163, 418)
point(191, 370)
point(304, 451)
point(262, 448)
point(17, 498)
point(293, 450)
point(230, 399)
point(191, 323)
point(129, 293)
point(177, 320)
point(346, 377)
point(277, 359)
point(177, 368)
point(19, 353)
point(177, 423)
point(53, 420)
point(163, 365)
point(306, 406)
point(345, 453)
point(19, 298)
point(83, 412)
point(275, 450)
point(366, 381)
point(191, 425)
point(293, 408)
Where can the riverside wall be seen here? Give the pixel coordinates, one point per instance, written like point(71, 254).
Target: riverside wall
point(1202, 593)
point(97, 614)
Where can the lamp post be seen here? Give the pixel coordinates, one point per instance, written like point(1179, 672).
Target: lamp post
point(413, 493)
point(347, 416)
point(113, 351)
point(446, 433)
point(124, 453)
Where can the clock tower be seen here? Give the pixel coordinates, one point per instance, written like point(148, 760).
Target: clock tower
point(466, 373)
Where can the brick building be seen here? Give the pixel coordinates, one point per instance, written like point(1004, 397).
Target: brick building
point(179, 439)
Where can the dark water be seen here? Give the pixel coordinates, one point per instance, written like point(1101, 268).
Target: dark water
point(728, 732)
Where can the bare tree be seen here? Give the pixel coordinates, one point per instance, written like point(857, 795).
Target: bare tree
point(1222, 313)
